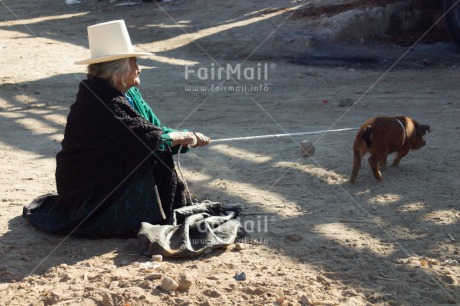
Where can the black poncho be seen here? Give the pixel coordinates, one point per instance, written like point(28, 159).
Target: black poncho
point(107, 170)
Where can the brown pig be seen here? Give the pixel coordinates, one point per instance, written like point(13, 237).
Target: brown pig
point(381, 136)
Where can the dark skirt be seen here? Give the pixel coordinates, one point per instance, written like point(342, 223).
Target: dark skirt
point(118, 213)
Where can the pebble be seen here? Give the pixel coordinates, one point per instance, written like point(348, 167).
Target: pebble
point(294, 237)
point(449, 262)
point(153, 276)
point(149, 265)
point(307, 148)
point(304, 300)
point(114, 285)
point(63, 266)
point(185, 281)
point(67, 277)
point(157, 258)
point(240, 276)
point(280, 299)
point(52, 299)
point(239, 246)
point(375, 297)
point(107, 299)
point(87, 265)
point(167, 284)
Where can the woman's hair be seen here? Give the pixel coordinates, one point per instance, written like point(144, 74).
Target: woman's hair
point(112, 71)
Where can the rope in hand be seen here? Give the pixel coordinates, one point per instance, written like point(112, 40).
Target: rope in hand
point(279, 135)
point(251, 138)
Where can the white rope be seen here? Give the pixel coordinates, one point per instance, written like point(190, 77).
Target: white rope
point(280, 135)
point(251, 138)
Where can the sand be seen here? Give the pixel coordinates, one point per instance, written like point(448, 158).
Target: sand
point(313, 238)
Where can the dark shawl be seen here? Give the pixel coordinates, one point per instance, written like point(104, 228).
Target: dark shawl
point(105, 141)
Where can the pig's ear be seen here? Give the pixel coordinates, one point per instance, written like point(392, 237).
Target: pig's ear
point(423, 128)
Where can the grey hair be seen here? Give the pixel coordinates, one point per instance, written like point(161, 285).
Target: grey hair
point(112, 71)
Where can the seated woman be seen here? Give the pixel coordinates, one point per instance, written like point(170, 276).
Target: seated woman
point(115, 169)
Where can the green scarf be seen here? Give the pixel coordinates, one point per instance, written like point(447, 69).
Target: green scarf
point(145, 111)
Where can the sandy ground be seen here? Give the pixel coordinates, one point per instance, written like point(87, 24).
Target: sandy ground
point(313, 238)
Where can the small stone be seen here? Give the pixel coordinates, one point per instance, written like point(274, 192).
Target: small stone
point(51, 298)
point(153, 276)
point(449, 262)
point(294, 237)
point(149, 265)
point(124, 262)
point(167, 284)
point(64, 266)
point(307, 148)
point(239, 246)
point(375, 298)
point(280, 299)
point(67, 277)
point(345, 102)
point(185, 281)
point(107, 299)
point(87, 265)
point(157, 258)
point(114, 285)
point(305, 301)
point(240, 276)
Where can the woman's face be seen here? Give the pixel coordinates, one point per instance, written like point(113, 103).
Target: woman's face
point(134, 72)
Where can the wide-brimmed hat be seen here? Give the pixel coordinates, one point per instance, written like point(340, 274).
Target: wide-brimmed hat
point(109, 41)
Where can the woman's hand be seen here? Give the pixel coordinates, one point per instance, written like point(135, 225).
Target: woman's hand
point(201, 140)
point(189, 139)
point(182, 138)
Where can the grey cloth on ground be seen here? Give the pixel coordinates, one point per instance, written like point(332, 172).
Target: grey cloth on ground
point(192, 230)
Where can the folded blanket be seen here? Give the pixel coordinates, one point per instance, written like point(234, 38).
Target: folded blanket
point(192, 230)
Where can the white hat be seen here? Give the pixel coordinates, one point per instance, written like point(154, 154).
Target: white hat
point(109, 41)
